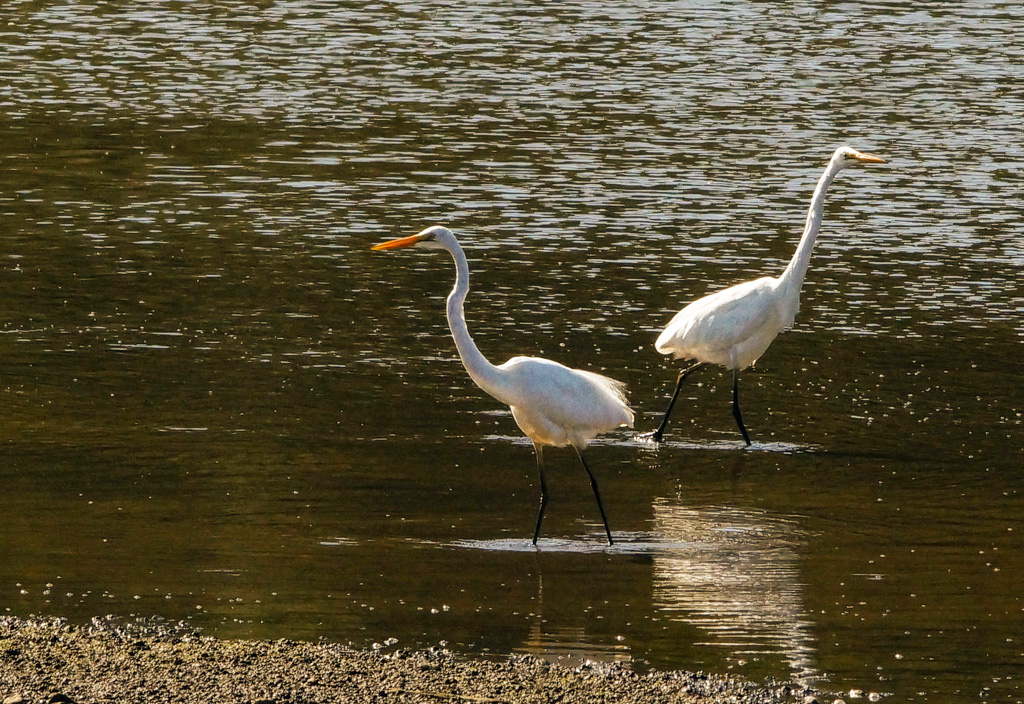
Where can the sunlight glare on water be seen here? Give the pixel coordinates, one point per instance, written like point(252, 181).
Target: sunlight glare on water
point(219, 405)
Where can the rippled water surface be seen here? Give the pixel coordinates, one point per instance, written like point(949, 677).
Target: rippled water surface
point(218, 405)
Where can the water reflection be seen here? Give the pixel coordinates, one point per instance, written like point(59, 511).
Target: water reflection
point(570, 646)
point(735, 574)
point(732, 574)
point(203, 366)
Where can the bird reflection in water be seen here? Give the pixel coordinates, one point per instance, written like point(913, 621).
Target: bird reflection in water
point(735, 574)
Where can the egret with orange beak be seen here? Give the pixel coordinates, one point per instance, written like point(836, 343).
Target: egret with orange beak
point(551, 403)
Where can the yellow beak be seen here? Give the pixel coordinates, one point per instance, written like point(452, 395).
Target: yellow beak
point(400, 242)
point(868, 158)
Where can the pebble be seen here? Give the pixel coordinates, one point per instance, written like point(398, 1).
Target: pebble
point(156, 661)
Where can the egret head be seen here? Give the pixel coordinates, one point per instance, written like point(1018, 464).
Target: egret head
point(434, 237)
point(848, 156)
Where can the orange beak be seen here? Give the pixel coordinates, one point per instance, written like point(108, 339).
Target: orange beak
point(395, 244)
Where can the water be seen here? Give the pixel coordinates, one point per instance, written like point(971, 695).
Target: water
point(218, 405)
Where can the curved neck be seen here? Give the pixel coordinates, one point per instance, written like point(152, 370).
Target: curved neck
point(485, 374)
point(797, 268)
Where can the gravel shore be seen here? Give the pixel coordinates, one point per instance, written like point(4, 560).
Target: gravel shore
point(47, 660)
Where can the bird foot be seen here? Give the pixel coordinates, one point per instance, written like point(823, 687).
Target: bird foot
point(653, 436)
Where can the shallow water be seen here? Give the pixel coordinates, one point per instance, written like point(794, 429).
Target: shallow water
point(217, 404)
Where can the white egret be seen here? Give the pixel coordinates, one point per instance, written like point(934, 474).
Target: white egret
point(551, 403)
point(734, 327)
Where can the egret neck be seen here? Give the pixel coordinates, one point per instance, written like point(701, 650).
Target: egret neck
point(485, 374)
point(793, 277)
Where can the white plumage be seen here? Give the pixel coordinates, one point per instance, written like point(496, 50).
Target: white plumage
point(551, 403)
point(734, 327)
point(555, 405)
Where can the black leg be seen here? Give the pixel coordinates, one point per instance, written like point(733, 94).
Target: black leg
point(656, 435)
point(736, 405)
point(597, 495)
point(543, 491)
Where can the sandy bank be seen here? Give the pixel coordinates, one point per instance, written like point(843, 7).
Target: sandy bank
point(50, 661)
